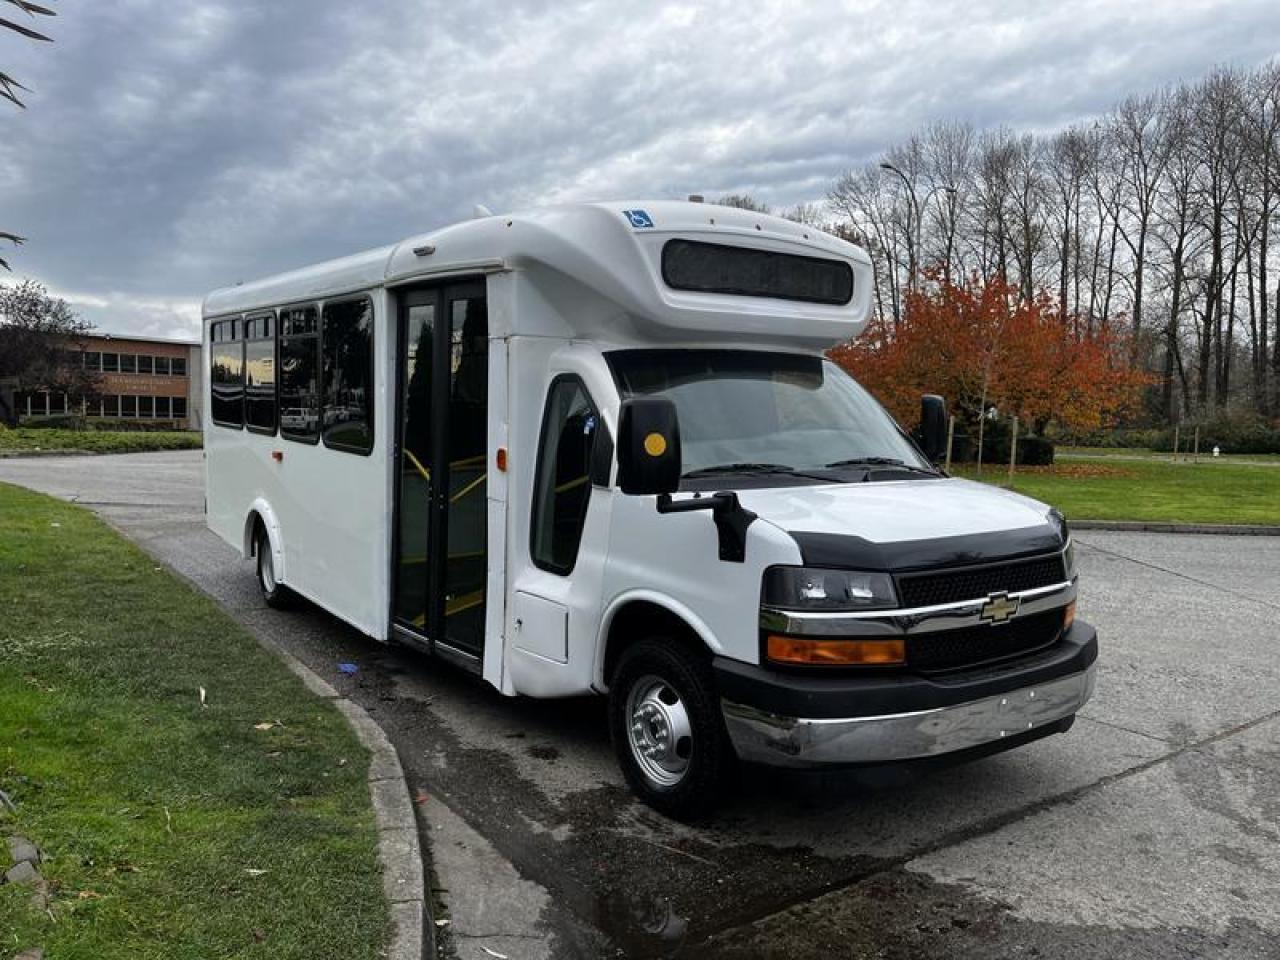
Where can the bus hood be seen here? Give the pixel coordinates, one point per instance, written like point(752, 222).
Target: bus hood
point(898, 525)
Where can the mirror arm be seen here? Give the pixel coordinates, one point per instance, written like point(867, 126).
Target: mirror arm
point(731, 519)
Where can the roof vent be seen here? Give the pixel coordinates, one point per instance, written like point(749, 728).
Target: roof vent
point(697, 198)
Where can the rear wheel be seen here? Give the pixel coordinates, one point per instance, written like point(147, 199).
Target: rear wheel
point(667, 731)
point(274, 593)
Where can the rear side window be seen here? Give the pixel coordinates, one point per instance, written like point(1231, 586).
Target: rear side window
point(748, 272)
point(347, 365)
point(300, 374)
point(226, 374)
point(571, 428)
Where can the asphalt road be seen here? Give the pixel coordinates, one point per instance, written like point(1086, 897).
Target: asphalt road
point(1151, 829)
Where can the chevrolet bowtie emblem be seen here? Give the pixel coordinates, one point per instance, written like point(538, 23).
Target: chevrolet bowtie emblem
point(999, 608)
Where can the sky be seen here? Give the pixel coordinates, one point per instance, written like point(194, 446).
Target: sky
point(170, 147)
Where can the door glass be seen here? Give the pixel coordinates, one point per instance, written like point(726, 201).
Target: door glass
point(412, 569)
point(467, 444)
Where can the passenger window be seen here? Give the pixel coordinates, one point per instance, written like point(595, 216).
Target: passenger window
point(260, 373)
point(300, 374)
point(347, 365)
point(226, 375)
point(571, 430)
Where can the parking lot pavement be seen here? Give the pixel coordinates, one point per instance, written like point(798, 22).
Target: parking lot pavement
point(1151, 829)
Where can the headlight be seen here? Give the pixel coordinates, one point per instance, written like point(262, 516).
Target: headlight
point(1069, 559)
point(802, 588)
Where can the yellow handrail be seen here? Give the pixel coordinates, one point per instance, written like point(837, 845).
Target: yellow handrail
point(468, 488)
point(426, 474)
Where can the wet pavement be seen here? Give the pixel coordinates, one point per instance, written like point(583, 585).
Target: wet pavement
point(1152, 828)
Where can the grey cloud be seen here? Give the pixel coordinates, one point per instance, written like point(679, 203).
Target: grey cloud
point(177, 145)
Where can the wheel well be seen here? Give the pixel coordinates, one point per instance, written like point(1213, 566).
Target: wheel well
point(639, 619)
point(253, 523)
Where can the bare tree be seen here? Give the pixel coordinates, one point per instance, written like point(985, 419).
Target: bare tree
point(9, 87)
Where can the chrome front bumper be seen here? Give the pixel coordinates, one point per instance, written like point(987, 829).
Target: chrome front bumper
point(796, 742)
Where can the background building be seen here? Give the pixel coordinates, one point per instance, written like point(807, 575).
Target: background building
point(142, 379)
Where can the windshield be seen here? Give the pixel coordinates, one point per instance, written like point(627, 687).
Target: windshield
point(746, 411)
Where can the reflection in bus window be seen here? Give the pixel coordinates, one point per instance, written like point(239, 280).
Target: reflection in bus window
point(260, 374)
point(299, 374)
point(347, 345)
point(226, 376)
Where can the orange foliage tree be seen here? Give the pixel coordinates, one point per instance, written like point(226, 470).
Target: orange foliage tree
point(979, 344)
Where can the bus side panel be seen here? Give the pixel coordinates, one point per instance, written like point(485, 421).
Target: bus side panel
point(332, 506)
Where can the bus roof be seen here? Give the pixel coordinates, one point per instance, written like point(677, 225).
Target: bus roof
point(611, 254)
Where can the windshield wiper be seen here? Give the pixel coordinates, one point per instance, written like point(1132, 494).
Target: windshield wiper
point(893, 462)
point(740, 468)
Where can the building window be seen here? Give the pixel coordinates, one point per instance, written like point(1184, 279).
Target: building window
point(178, 366)
point(128, 406)
point(146, 408)
point(128, 363)
point(111, 406)
point(162, 408)
point(145, 364)
point(162, 366)
point(300, 374)
point(562, 487)
point(179, 408)
point(92, 360)
point(226, 374)
point(110, 363)
point(347, 343)
point(260, 373)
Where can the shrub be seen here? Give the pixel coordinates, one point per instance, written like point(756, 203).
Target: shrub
point(1033, 451)
point(1232, 432)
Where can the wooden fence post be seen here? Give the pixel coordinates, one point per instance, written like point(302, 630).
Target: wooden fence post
point(1013, 448)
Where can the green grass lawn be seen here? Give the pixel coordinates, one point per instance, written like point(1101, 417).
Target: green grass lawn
point(1096, 488)
point(28, 439)
point(172, 828)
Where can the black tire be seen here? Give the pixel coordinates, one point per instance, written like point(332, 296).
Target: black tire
point(658, 684)
point(274, 593)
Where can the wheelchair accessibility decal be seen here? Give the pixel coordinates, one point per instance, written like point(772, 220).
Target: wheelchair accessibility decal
point(639, 219)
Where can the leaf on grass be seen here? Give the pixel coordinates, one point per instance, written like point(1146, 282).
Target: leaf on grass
point(203, 698)
point(254, 871)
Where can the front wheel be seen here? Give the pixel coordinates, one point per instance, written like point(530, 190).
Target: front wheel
point(667, 731)
point(274, 593)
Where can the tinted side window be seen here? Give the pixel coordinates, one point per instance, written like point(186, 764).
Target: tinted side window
point(260, 373)
point(562, 488)
point(300, 374)
point(226, 374)
point(347, 364)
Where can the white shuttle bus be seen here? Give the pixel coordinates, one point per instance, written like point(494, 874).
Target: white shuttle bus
point(598, 449)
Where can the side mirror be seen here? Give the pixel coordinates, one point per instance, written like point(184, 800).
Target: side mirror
point(933, 426)
point(648, 446)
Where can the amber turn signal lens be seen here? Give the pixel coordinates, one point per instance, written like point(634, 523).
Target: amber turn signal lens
point(1069, 615)
point(849, 652)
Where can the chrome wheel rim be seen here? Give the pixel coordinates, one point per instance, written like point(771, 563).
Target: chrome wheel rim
point(659, 731)
point(266, 569)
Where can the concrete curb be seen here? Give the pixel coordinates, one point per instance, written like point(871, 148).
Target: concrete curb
point(1142, 526)
point(403, 879)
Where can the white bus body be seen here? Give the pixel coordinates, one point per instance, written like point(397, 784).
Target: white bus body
point(429, 441)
